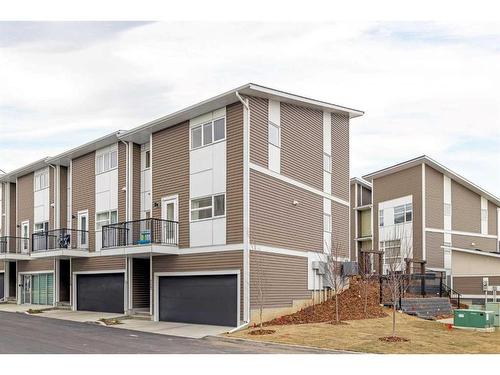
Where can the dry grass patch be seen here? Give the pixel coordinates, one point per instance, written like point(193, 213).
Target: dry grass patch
point(363, 336)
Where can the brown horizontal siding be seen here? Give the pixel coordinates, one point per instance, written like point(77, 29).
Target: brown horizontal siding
point(25, 209)
point(136, 185)
point(366, 195)
point(98, 264)
point(482, 243)
point(34, 265)
point(259, 109)
point(473, 284)
point(12, 213)
point(302, 145)
point(434, 198)
point(122, 177)
point(492, 218)
point(234, 174)
point(340, 156)
point(435, 254)
point(396, 185)
point(466, 209)
point(63, 197)
point(2, 266)
point(340, 230)
point(213, 261)
point(275, 221)
point(280, 278)
point(83, 192)
point(170, 173)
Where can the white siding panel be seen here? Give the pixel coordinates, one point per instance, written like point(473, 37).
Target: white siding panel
point(200, 233)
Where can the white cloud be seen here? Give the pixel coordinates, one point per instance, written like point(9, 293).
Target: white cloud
point(425, 87)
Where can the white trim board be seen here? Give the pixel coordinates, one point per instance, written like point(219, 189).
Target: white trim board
point(298, 184)
point(157, 275)
point(473, 252)
point(460, 233)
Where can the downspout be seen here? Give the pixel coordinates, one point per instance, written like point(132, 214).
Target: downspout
point(246, 211)
point(55, 207)
point(126, 180)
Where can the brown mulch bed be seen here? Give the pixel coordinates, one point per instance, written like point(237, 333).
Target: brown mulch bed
point(351, 307)
point(393, 339)
point(260, 332)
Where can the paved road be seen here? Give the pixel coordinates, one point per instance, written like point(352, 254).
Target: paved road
point(21, 333)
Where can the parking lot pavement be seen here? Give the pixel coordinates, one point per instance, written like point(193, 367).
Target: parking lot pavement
point(21, 333)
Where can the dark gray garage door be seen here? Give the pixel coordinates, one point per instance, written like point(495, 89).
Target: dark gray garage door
point(199, 299)
point(1, 285)
point(100, 292)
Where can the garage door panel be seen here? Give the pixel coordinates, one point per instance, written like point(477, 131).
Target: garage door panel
point(101, 292)
point(1, 285)
point(199, 299)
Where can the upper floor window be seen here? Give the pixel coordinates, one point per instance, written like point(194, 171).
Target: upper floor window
point(147, 160)
point(105, 218)
point(274, 134)
point(327, 223)
point(208, 207)
point(208, 133)
point(484, 214)
point(41, 180)
point(106, 161)
point(327, 163)
point(41, 227)
point(403, 213)
point(381, 218)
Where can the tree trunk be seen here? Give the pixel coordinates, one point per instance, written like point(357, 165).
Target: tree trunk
point(394, 319)
point(337, 306)
point(260, 313)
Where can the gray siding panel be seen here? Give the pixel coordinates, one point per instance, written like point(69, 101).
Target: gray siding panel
point(340, 156)
point(466, 209)
point(434, 201)
point(435, 254)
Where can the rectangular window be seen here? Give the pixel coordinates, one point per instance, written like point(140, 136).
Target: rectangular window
point(208, 133)
point(41, 227)
point(327, 223)
point(408, 212)
point(399, 214)
point(106, 161)
point(392, 255)
point(484, 214)
point(147, 162)
point(274, 134)
point(327, 163)
point(41, 180)
point(381, 218)
point(105, 218)
point(208, 207)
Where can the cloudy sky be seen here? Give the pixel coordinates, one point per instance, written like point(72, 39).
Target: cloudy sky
point(427, 88)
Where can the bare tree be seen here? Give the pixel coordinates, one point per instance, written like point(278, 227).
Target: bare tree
point(333, 272)
point(398, 248)
point(365, 277)
point(258, 271)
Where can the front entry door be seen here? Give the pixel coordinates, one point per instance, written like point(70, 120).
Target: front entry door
point(169, 212)
point(26, 292)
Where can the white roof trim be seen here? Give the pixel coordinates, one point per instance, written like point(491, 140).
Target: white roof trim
point(361, 182)
point(24, 170)
point(439, 167)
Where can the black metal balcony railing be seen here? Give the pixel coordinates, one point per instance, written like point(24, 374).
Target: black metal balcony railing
point(60, 239)
point(140, 232)
point(14, 245)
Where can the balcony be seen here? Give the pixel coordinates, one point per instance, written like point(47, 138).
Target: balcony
point(140, 233)
point(14, 247)
point(59, 239)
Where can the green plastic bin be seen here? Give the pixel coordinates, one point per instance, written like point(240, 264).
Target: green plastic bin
point(473, 318)
point(495, 308)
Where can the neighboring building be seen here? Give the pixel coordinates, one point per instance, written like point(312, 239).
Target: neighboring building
point(185, 218)
point(430, 213)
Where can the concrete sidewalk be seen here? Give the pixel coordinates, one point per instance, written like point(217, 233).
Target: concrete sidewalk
point(194, 331)
point(12, 307)
point(79, 316)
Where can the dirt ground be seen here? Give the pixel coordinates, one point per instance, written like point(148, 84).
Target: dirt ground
point(363, 336)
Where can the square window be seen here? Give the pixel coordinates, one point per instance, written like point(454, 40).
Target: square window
point(196, 137)
point(207, 134)
point(219, 129)
point(219, 205)
point(274, 134)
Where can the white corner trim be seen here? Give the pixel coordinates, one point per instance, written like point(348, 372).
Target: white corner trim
point(424, 250)
point(157, 275)
point(460, 233)
point(298, 184)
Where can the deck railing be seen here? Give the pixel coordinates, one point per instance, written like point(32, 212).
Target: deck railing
point(140, 232)
point(59, 239)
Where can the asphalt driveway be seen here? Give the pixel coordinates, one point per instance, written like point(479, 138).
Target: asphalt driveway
point(25, 334)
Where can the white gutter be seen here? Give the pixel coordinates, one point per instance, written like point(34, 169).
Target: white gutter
point(246, 207)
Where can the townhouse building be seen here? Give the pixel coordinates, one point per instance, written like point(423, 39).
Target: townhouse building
point(201, 216)
point(423, 211)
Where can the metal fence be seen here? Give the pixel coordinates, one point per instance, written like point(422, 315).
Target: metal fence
point(140, 232)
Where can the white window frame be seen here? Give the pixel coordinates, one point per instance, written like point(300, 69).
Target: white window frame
point(447, 209)
point(202, 126)
point(327, 166)
point(384, 247)
point(108, 220)
point(81, 244)
point(327, 223)
point(106, 158)
point(39, 177)
point(272, 124)
point(381, 222)
point(212, 206)
point(45, 227)
point(406, 211)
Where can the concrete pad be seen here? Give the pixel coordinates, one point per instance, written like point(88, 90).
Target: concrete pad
point(12, 307)
point(196, 331)
point(79, 316)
